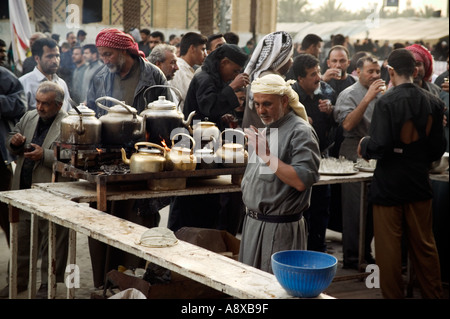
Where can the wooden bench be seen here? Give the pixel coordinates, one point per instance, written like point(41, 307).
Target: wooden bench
point(211, 269)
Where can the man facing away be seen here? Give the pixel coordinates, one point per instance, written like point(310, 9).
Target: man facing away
point(406, 135)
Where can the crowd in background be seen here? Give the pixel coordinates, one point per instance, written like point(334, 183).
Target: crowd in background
point(180, 58)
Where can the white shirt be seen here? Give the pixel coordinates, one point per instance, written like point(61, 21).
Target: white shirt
point(182, 79)
point(31, 82)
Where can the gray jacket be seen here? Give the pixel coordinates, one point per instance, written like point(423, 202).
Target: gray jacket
point(43, 170)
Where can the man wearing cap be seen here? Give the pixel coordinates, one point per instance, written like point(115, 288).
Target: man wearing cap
point(211, 95)
point(211, 92)
point(126, 73)
point(406, 135)
point(283, 165)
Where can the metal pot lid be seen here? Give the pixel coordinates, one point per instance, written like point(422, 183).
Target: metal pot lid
point(162, 104)
point(120, 109)
point(150, 151)
point(84, 110)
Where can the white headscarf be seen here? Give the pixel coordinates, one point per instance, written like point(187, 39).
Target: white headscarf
point(275, 84)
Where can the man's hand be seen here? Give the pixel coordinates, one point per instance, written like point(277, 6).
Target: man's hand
point(445, 86)
point(36, 154)
point(240, 81)
point(332, 74)
point(18, 140)
point(375, 88)
point(325, 106)
point(257, 141)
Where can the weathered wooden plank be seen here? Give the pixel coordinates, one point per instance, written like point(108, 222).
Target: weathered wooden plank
point(214, 270)
point(86, 192)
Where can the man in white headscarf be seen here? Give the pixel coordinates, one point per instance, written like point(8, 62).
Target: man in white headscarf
point(272, 55)
point(283, 165)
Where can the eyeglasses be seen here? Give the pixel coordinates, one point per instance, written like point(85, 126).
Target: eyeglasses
point(389, 67)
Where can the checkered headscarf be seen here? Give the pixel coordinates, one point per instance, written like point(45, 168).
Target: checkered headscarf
point(421, 54)
point(116, 39)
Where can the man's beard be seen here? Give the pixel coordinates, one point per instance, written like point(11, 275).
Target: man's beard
point(115, 68)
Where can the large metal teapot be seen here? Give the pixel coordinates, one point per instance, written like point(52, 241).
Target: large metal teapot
point(161, 117)
point(81, 127)
point(121, 125)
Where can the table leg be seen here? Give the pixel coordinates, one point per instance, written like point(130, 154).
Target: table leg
point(51, 260)
point(72, 261)
point(362, 225)
point(101, 195)
point(13, 236)
point(33, 256)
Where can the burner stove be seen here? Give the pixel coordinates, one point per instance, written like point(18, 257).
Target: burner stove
point(89, 157)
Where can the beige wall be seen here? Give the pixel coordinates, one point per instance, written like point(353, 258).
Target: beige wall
point(172, 14)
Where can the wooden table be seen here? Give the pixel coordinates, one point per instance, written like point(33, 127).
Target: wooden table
point(214, 270)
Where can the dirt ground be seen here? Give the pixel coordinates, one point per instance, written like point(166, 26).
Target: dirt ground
point(353, 287)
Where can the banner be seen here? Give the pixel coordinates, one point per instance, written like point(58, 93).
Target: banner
point(20, 31)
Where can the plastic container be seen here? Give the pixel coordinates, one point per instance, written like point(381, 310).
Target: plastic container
point(304, 273)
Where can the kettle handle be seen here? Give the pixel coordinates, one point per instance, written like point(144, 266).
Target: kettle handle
point(177, 91)
point(136, 146)
point(114, 101)
point(184, 134)
point(233, 130)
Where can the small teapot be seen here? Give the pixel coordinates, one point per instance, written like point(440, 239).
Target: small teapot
point(181, 158)
point(205, 131)
point(232, 154)
point(147, 160)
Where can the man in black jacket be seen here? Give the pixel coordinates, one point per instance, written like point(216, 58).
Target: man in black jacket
point(211, 95)
point(406, 135)
point(211, 92)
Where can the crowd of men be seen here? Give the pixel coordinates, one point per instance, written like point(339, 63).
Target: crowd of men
point(322, 100)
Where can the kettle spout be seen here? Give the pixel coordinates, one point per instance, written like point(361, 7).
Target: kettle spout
point(124, 157)
point(189, 119)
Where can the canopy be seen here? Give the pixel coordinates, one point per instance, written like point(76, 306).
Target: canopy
point(394, 30)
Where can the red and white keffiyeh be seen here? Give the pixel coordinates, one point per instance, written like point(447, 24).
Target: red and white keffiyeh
point(116, 39)
point(421, 54)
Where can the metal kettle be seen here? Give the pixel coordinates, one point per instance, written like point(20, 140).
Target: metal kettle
point(163, 118)
point(121, 125)
point(181, 158)
point(81, 127)
point(232, 154)
point(151, 159)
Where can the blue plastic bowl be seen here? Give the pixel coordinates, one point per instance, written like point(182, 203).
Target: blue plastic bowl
point(304, 273)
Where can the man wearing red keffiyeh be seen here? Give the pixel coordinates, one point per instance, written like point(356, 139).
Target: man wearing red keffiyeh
point(125, 76)
point(424, 64)
point(126, 73)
